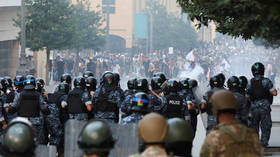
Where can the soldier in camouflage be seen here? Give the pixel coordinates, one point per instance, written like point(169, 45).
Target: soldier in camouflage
point(229, 138)
point(261, 92)
point(153, 131)
point(233, 85)
point(107, 99)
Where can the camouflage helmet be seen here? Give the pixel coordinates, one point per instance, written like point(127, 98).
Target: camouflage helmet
point(153, 128)
point(179, 131)
point(96, 137)
point(18, 136)
point(224, 100)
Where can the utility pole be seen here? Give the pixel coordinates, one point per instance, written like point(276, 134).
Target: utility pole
point(107, 27)
point(22, 60)
point(151, 32)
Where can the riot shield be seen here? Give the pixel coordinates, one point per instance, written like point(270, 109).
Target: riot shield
point(126, 137)
point(45, 151)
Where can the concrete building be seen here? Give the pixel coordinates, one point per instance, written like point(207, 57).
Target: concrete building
point(9, 45)
point(121, 22)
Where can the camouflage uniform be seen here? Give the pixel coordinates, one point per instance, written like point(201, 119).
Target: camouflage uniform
point(243, 112)
point(211, 119)
point(231, 140)
point(132, 118)
point(111, 96)
point(261, 110)
point(152, 151)
point(54, 125)
point(2, 116)
point(10, 96)
point(37, 122)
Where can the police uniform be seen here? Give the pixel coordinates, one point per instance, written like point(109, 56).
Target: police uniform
point(259, 90)
point(175, 106)
point(211, 119)
point(231, 140)
point(29, 104)
point(243, 112)
point(106, 104)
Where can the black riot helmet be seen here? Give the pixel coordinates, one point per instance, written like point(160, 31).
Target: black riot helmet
point(96, 138)
point(91, 83)
point(184, 83)
point(140, 102)
point(40, 84)
point(80, 82)
point(108, 79)
point(88, 74)
point(214, 82)
point(19, 82)
point(18, 137)
point(156, 83)
point(67, 78)
point(64, 87)
point(233, 82)
point(243, 82)
point(192, 84)
point(116, 78)
point(130, 84)
point(257, 69)
point(222, 80)
point(9, 79)
point(161, 75)
point(3, 84)
point(173, 86)
point(141, 84)
point(29, 82)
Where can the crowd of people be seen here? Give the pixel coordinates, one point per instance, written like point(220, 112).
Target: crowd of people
point(161, 107)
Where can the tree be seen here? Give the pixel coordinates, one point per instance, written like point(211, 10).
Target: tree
point(170, 30)
point(251, 19)
point(87, 31)
point(47, 25)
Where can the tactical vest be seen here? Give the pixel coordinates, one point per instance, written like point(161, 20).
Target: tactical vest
point(75, 103)
point(103, 105)
point(174, 106)
point(29, 104)
point(258, 92)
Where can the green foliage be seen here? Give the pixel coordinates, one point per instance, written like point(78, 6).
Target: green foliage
point(87, 30)
point(251, 19)
point(170, 30)
point(57, 25)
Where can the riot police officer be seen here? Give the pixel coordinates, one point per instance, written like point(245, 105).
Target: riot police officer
point(192, 103)
point(156, 83)
point(19, 83)
point(174, 104)
point(243, 83)
point(91, 65)
point(130, 88)
point(107, 99)
point(139, 106)
point(29, 104)
point(96, 139)
point(184, 88)
point(3, 88)
point(233, 85)
point(91, 84)
point(22, 143)
point(10, 96)
point(180, 138)
point(161, 75)
point(216, 84)
point(88, 74)
point(65, 78)
point(261, 92)
point(78, 101)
